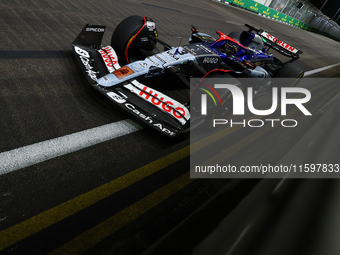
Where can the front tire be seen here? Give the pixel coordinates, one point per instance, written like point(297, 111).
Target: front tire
point(132, 36)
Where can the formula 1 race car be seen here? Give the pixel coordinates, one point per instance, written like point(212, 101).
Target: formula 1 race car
point(122, 71)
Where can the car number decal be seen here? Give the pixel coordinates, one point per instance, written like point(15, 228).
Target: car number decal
point(123, 71)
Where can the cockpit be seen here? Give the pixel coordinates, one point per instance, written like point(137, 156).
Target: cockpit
point(229, 48)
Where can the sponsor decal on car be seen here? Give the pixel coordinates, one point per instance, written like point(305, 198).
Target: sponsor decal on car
point(84, 56)
point(202, 47)
point(121, 100)
point(208, 60)
point(110, 58)
point(163, 129)
point(160, 100)
point(178, 112)
point(123, 71)
point(132, 108)
point(160, 59)
point(181, 51)
point(282, 44)
point(191, 50)
point(152, 61)
point(143, 64)
point(95, 29)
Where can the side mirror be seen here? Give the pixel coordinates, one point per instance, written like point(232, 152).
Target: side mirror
point(193, 29)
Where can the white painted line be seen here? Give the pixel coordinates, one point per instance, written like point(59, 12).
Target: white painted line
point(234, 23)
point(42, 151)
point(320, 69)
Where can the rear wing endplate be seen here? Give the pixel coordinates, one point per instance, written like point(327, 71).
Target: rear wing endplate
point(278, 45)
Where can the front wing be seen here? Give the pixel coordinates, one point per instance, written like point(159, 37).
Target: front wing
point(152, 107)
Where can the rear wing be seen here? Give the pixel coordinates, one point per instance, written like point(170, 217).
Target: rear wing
point(277, 44)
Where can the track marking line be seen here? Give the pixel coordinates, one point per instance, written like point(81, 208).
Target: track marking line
point(234, 23)
point(45, 219)
point(93, 236)
point(33, 154)
point(308, 73)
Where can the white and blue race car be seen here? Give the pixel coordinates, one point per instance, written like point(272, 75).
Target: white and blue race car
point(122, 71)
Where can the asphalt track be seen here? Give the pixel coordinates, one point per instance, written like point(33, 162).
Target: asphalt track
point(103, 191)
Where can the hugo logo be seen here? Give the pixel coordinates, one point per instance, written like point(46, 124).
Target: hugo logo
point(178, 112)
point(109, 56)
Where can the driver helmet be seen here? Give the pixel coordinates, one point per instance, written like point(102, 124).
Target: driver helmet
point(229, 48)
point(252, 41)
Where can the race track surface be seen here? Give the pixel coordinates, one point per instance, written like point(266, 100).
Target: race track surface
point(106, 180)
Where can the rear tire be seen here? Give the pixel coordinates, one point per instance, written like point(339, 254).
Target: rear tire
point(289, 70)
point(131, 36)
